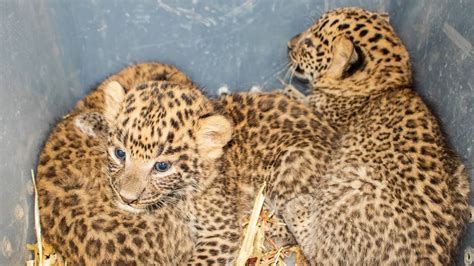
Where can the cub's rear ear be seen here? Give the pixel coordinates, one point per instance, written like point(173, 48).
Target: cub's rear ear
point(212, 134)
point(114, 95)
point(344, 55)
point(385, 16)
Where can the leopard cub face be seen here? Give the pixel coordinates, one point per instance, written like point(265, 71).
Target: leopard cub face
point(163, 143)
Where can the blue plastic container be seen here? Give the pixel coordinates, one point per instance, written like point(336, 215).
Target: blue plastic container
point(52, 52)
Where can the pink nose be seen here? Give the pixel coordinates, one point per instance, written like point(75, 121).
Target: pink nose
point(292, 43)
point(128, 197)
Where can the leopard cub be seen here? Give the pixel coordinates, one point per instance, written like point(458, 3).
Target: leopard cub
point(394, 192)
point(81, 216)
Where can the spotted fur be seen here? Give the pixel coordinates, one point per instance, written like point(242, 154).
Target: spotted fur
point(394, 193)
point(79, 215)
point(222, 151)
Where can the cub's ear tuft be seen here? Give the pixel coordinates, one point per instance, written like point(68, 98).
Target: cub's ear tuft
point(114, 95)
point(344, 55)
point(212, 134)
point(385, 16)
point(92, 124)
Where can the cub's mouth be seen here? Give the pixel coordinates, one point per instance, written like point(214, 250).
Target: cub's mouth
point(128, 207)
point(148, 202)
point(135, 206)
point(142, 205)
point(296, 70)
point(299, 73)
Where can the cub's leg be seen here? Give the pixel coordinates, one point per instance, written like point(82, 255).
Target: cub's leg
point(350, 220)
point(217, 226)
point(298, 174)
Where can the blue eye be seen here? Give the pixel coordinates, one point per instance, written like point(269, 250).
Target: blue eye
point(119, 153)
point(162, 166)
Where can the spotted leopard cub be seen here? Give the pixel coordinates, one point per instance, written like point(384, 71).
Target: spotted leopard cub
point(395, 193)
point(168, 142)
point(165, 145)
point(80, 216)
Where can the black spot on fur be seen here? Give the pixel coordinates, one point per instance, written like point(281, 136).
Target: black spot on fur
point(375, 38)
point(343, 26)
point(358, 27)
point(334, 22)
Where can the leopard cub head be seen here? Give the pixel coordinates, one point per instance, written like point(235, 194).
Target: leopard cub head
point(163, 143)
point(350, 48)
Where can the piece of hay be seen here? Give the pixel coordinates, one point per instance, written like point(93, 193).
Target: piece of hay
point(44, 254)
point(248, 243)
point(256, 248)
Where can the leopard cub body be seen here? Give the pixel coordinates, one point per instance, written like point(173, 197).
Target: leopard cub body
point(394, 193)
point(79, 214)
point(168, 142)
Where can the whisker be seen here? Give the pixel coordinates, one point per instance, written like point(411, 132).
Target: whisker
point(291, 76)
point(288, 72)
point(275, 72)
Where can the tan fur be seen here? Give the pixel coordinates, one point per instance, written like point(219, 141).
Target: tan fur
point(114, 94)
point(344, 55)
point(212, 134)
point(394, 192)
point(219, 150)
point(79, 214)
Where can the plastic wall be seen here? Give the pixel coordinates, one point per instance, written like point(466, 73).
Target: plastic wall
point(53, 52)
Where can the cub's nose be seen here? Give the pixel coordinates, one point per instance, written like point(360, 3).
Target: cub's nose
point(293, 42)
point(128, 197)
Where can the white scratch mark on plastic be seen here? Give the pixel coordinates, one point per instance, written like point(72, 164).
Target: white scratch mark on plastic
point(154, 45)
point(188, 13)
point(103, 26)
point(212, 20)
point(139, 17)
point(459, 40)
point(246, 7)
point(326, 5)
point(6, 247)
point(19, 212)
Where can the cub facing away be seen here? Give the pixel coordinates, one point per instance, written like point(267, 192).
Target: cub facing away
point(394, 192)
point(168, 143)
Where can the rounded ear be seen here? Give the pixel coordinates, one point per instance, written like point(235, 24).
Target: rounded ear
point(92, 124)
point(114, 95)
point(344, 55)
point(212, 134)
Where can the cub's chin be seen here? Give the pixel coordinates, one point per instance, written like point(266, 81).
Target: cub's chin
point(129, 208)
point(301, 76)
point(302, 79)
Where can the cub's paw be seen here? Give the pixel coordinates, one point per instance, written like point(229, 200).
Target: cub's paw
point(279, 233)
point(291, 92)
point(297, 211)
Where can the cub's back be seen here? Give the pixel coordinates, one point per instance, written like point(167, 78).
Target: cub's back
point(273, 136)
